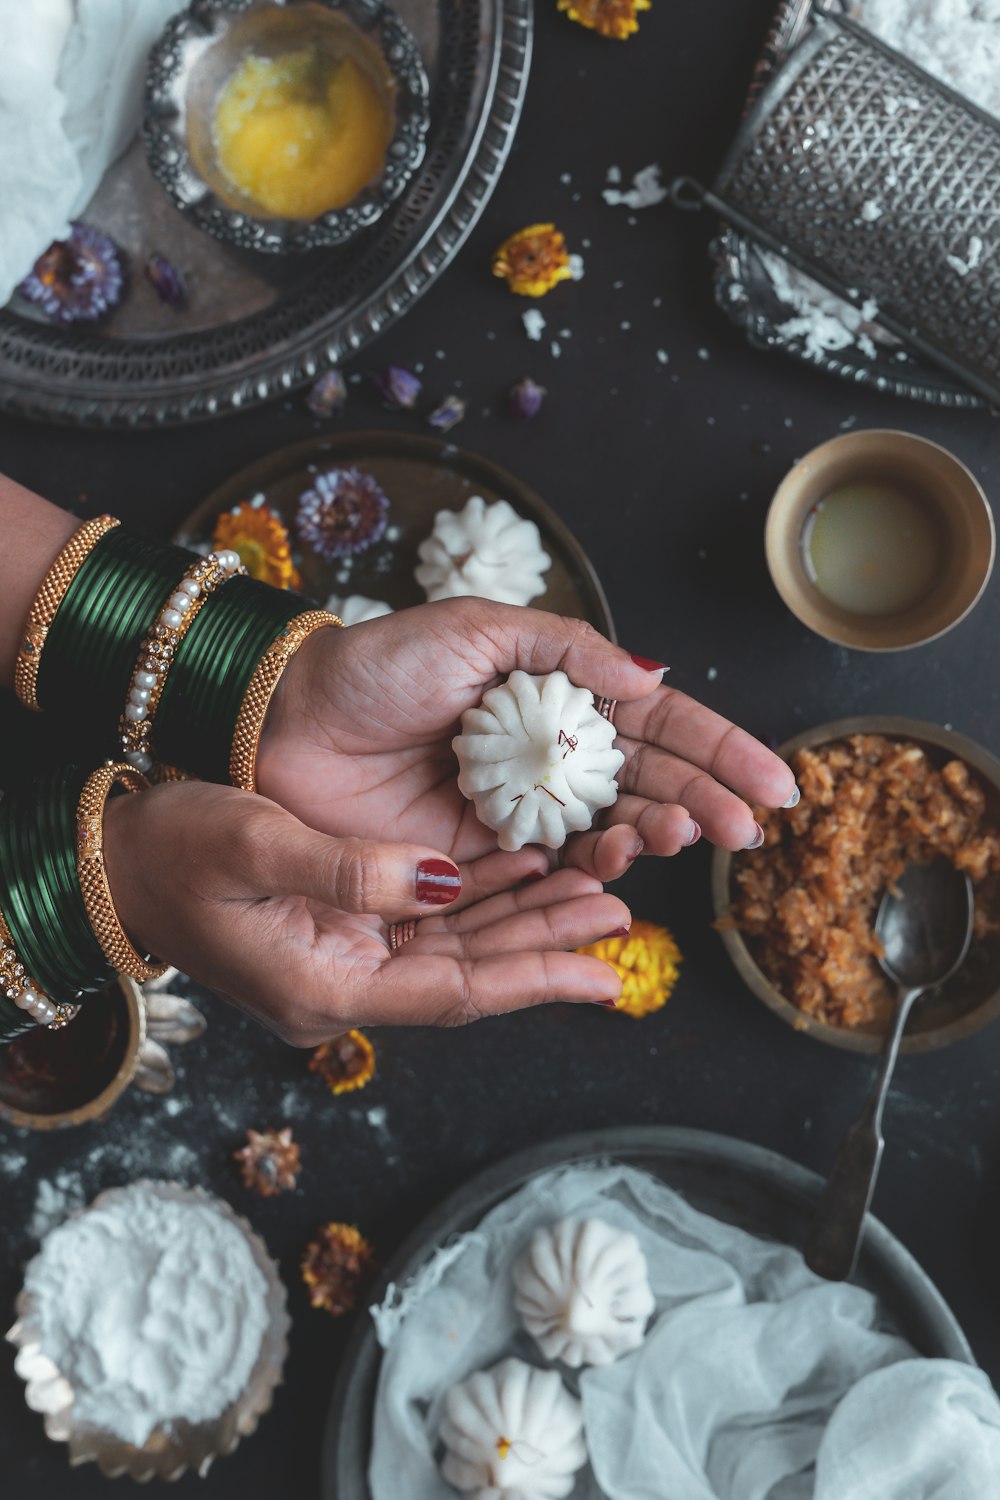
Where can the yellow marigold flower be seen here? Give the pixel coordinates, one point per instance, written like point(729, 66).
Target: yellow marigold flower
point(336, 1268)
point(533, 261)
point(647, 961)
point(613, 18)
point(347, 1062)
point(260, 538)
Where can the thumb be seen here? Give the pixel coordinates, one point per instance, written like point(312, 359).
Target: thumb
point(361, 875)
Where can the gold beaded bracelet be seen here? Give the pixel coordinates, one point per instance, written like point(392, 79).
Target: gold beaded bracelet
point(46, 603)
point(246, 736)
point(94, 887)
point(157, 651)
point(24, 991)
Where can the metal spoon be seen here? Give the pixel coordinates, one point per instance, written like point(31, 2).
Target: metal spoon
point(925, 926)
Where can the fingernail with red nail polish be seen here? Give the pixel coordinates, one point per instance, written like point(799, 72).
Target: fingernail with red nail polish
point(757, 839)
point(535, 875)
point(694, 834)
point(608, 1004)
point(438, 882)
point(618, 932)
point(648, 664)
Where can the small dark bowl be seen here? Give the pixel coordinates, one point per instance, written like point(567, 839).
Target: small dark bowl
point(960, 1008)
point(197, 53)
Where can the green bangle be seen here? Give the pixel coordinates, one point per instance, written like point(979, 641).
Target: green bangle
point(212, 670)
point(13, 1022)
point(90, 650)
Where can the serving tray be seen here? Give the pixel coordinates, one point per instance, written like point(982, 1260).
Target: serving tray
point(256, 326)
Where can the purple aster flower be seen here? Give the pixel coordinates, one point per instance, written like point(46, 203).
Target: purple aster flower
point(525, 399)
point(344, 512)
point(76, 279)
point(399, 387)
point(444, 417)
point(328, 394)
point(167, 281)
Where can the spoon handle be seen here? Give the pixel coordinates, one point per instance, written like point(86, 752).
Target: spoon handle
point(838, 1225)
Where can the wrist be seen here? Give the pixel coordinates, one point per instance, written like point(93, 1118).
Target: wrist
point(292, 713)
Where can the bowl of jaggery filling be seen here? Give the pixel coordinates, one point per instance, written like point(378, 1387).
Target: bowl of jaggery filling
point(798, 915)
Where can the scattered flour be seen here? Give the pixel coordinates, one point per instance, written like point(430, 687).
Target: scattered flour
point(533, 322)
point(555, 348)
point(646, 189)
point(576, 265)
point(973, 257)
point(55, 1199)
point(662, 356)
point(824, 322)
point(870, 211)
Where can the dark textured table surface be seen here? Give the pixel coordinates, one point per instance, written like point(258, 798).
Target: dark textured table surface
point(664, 471)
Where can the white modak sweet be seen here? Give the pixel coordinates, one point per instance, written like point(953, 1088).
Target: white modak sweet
point(537, 759)
point(354, 609)
point(582, 1291)
point(512, 1433)
point(483, 549)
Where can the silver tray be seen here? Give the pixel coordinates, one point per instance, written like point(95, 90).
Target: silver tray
point(257, 326)
point(739, 1183)
point(745, 293)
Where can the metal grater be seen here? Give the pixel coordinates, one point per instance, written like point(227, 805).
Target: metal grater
point(872, 177)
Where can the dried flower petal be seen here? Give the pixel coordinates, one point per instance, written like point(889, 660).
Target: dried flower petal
point(533, 261)
point(448, 414)
point(336, 1267)
point(617, 19)
point(270, 1161)
point(399, 387)
point(647, 962)
point(167, 281)
point(328, 394)
point(79, 279)
point(346, 1063)
point(258, 534)
point(344, 512)
point(525, 399)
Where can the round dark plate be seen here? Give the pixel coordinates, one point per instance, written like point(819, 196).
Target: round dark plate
point(741, 1184)
point(259, 325)
point(420, 475)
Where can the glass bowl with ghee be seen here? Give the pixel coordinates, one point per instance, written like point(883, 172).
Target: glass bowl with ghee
point(880, 540)
point(285, 127)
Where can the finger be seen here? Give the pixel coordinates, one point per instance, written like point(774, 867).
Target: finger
point(664, 828)
point(562, 885)
point(360, 875)
point(675, 722)
point(537, 641)
point(661, 777)
point(560, 927)
point(604, 853)
point(422, 990)
point(491, 873)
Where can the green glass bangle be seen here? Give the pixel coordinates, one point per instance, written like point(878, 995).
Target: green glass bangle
point(40, 892)
point(86, 666)
point(13, 1022)
point(212, 670)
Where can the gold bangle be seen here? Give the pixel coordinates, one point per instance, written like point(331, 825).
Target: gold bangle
point(46, 603)
point(24, 991)
point(172, 623)
point(94, 887)
point(246, 736)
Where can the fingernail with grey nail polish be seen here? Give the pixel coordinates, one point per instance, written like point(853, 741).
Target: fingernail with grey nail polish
point(757, 839)
point(793, 799)
point(694, 834)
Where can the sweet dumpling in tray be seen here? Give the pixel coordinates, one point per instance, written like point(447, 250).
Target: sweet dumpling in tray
point(582, 1291)
point(483, 549)
point(512, 1433)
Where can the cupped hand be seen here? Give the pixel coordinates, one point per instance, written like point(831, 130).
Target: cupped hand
point(358, 739)
point(291, 924)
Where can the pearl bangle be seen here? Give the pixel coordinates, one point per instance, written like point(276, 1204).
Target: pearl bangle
point(158, 649)
point(25, 993)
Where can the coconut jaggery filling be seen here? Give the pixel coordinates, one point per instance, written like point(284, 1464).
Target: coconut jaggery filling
point(807, 901)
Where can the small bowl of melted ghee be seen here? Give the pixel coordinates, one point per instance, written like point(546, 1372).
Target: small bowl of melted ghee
point(880, 540)
point(285, 127)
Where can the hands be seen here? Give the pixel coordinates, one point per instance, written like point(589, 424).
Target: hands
point(358, 739)
point(289, 923)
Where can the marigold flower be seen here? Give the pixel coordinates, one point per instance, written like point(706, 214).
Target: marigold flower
point(647, 962)
point(346, 1063)
point(270, 1161)
point(611, 18)
point(260, 538)
point(337, 1265)
point(533, 261)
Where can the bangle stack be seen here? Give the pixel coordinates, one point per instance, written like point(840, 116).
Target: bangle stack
point(115, 945)
point(26, 993)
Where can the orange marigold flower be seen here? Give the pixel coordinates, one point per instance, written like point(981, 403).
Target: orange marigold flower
point(336, 1267)
point(533, 261)
point(270, 1161)
point(347, 1062)
point(647, 961)
point(260, 538)
point(612, 18)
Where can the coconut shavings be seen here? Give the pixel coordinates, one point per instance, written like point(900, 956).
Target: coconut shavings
point(646, 190)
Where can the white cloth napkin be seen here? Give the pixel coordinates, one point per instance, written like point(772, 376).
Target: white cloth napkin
point(71, 83)
point(757, 1381)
